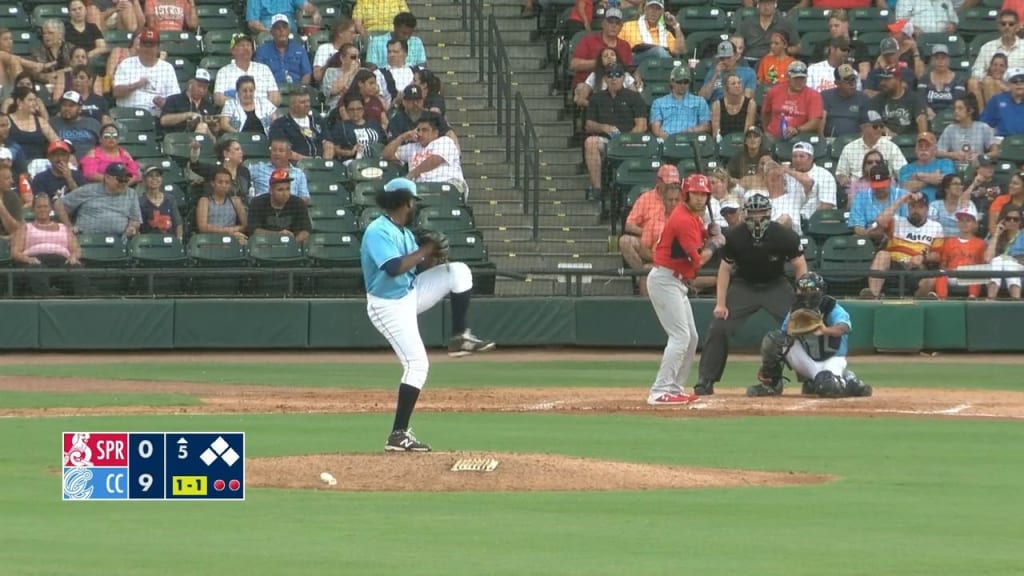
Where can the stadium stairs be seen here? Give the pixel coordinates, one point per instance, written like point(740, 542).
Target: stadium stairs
point(571, 235)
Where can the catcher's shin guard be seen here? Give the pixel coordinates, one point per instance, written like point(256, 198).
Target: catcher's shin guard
point(774, 347)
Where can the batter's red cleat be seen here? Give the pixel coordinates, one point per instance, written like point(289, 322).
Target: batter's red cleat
point(672, 399)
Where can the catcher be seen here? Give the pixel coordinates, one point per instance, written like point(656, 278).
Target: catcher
point(813, 341)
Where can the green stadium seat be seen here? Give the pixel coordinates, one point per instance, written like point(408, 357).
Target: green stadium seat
point(141, 145)
point(825, 223)
point(1012, 149)
point(184, 69)
point(872, 41)
point(845, 261)
point(213, 18)
point(159, 251)
point(365, 193)
point(955, 43)
point(980, 40)
point(335, 251)
point(812, 253)
point(117, 39)
point(366, 169)
point(217, 251)
point(214, 63)
point(14, 18)
point(445, 220)
point(22, 42)
point(122, 112)
point(44, 12)
point(367, 215)
point(343, 219)
point(183, 45)
point(629, 145)
point(836, 149)
point(657, 69)
point(976, 21)
point(255, 145)
point(178, 145)
point(275, 250)
point(731, 145)
point(863, 20)
point(677, 148)
point(809, 19)
point(439, 195)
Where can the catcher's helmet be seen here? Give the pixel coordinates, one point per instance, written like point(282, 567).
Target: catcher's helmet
point(758, 209)
point(810, 289)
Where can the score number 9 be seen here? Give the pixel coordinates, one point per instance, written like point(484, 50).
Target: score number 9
point(146, 451)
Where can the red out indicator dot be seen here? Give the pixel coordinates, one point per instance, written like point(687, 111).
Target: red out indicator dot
point(234, 485)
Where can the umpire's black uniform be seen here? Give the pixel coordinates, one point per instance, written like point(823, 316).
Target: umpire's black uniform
point(757, 280)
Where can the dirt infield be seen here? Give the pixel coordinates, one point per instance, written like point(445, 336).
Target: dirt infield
point(516, 472)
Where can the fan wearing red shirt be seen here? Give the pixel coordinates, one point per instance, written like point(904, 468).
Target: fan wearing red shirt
point(590, 46)
point(681, 251)
point(801, 105)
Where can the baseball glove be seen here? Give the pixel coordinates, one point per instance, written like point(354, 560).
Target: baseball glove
point(440, 243)
point(803, 321)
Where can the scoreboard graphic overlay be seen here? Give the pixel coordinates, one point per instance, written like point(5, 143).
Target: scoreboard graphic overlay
point(153, 466)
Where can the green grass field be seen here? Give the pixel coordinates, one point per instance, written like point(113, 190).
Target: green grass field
point(915, 496)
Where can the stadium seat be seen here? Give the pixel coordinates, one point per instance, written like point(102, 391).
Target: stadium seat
point(629, 145)
point(184, 69)
point(217, 251)
point(1012, 149)
point(828, 222)
point(213, 18)
point(445, 220)
point(845, 261)
point(872, 41)
point(809, 19)
point(49, 12)
point(955, 43)
point(178, 145)
point(907, 144)
point(22, 42)
point(124, 112)
point(141, 145)
point(678, 147)
point(812, 253)
point(105, 251)
point(335, 168)
point(366, 169)
point(980, 40)
point(325, 192)
point(367, 215)
point(365, 193)
point(335, 251)
point(869, 20)
point(706, 152)
point(657, 69)
point(977, 21)
point(341, 219)
point(741, 14)
point(159, 251)
point(183, 45)
point(214, 63)
point(117, 39)
point(14, 18)
point(255, 145)
point(438, 195)
point(839, 143)
point(276, 251)
point(731, 145)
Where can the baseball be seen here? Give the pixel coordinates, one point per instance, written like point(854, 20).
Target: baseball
point(328, 479)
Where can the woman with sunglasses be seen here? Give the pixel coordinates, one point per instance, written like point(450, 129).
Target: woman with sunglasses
point(339, 70)
point(1014, 195)
point(354, 135)
point(94, 163)
point(343, 33)
point(1006, 250)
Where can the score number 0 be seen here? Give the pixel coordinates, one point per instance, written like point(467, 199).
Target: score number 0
point(145, 451)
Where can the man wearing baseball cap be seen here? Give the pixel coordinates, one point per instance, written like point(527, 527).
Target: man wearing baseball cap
point(926, 172)
point(728, 62)
point(892, 63)
point(815, 183)
point(259, 14)
point(679, 254)
point(872, 137)
point(866, 206)
point(591, 45)
point(287, 59)
point(910, 239)
point(904, 111)
point(758, 31)
point(107, 207)
point(1005, 111)
point(842, 105)
point(60, 177)
point(801, 106)
point(279, 212)
point(193, 109)
point(646, 219)
point(679, 111)
point(242, 64)
point(145, 81)
point(822, 75)
point(81, 131)
point(409, 112)
point(655, 34)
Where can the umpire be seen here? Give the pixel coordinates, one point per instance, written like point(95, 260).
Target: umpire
point(751, 276)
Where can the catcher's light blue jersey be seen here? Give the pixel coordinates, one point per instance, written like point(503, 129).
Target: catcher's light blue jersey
point(822, 347)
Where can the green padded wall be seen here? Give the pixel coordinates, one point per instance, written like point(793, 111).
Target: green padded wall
point(272, 323)
point(617, 322)
point(862, 316)
point(522, 321)
point(899, 326)
point(20, 327)
point(345, 324)
point(106, 324)
point(945, 325)
point(995, 326)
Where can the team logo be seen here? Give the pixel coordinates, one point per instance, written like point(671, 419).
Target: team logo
point(80, 454)
point(78, 483)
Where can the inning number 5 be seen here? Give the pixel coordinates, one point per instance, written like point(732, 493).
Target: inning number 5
point(182, 451)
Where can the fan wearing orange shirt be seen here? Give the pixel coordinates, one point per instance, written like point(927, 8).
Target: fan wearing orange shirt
point(774, 66)
point(956, 251)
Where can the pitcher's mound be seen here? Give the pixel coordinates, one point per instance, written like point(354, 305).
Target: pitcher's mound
point(432, 472)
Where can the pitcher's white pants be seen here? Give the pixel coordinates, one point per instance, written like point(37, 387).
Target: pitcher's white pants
point(807, 368)
point(397, 320)
point(668, 294)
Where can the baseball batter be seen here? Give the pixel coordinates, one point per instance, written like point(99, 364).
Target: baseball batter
point(396, 294)
point(814, 342)
point(678, 255)
point(752, 276)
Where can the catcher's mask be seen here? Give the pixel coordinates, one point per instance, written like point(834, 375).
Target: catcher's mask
point(758, 209)
point(810, 289)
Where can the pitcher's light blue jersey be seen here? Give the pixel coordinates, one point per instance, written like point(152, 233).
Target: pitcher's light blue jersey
point(384, 241)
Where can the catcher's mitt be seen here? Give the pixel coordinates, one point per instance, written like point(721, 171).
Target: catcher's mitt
point(440, 243)
point(803, 321)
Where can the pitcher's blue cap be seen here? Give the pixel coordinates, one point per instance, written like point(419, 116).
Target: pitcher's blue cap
point(401, 184)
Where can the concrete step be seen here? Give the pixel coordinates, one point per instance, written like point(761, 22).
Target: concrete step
point(432, 34)
point(458, 50)
point(556, 161)
point(522, 233)
point(519, 77)
point(526, 62)
point(516, 261)
point(464, 115)
point(589, 247)
point(472, 98)
point(539, 88)
point(558, 220)
point(494, 191)
point(473, 135)
point(482, 204)
point(452, 20)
